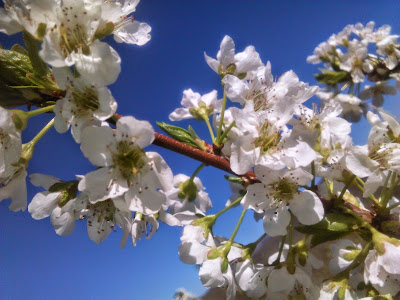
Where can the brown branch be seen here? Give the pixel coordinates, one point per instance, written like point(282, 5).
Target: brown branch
point(208, 158)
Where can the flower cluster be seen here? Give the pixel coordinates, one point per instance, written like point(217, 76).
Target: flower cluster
point(320, 197)
point(349, 60)
point(307, 174)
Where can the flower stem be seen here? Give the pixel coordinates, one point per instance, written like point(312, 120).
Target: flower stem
point(238, 225)
point(27, 149)
point(345, 188)
point(197, 171)
point(280, 250)
point(221, 138)
point(42, 132)
point(234, 203)
point(39, 111)
point(313, 174)
point(210, 129)
point(221, 120)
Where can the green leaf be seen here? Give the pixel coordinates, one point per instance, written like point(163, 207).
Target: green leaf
point(320, 239)
point(13, 68)
point(11, 98)
point(192, 133)
point(332, 223)
point(178, 133)
point(32, 47)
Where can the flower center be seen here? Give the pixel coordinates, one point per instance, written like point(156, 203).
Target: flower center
point(103, 210)
point(130, 160)
point(283, 190)
point(85, 101)
point(268, 138)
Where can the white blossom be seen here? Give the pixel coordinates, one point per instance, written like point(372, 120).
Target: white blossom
point(196, 106)
point(83, 105)
point(242, 63)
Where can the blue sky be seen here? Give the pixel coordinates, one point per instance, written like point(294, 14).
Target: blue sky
point(36, 263)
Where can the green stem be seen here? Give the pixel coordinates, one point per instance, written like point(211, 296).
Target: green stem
point(339, 199)
point(210, 128)
point(392, 206)
point(238, 225)
point(360, 181)
point(39, 111)
point(371, 197)
point(313, 174)
point(233, 204)
point(221, 138)
point(278, 259)
point(196, 171)
point(389, 192)
point(290, 259)
point(328, 188)
point(383, 192)
point(27, 149)
point(221, 120)
point(42, 132)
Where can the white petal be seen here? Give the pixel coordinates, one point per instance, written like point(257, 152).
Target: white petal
point(210, 273)
point(43, 204)
point(280, 281)
point(45, 181)
point(98, 229)
point(235, 89)
point(307, 207)
point(96, 143)
point(276, 221)
point(102, 66)
point(139, 132)
point(193, 253)
point(63, 222)
point(134, 33)
point(359, 163)
point(100, 185)
point(144, 200)
point(227, 51)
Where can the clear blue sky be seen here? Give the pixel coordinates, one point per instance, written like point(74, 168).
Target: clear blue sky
point(36, 263)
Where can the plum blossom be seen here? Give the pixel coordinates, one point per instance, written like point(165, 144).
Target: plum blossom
point(351, 105)
point(265, 92)
point(277, 190)
point(282, 284)
point(115, 18)
point(13, 185)
point(355, 61)
point(262, 138)
point(382, 270)
point(10, 143)
point(389, 48)
point(196, 106)
point(71, 42)
point(239, 64)
point(187, 195)
point(125, 169)
point(376, 92)
point(84, 104)
point(29, 15)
